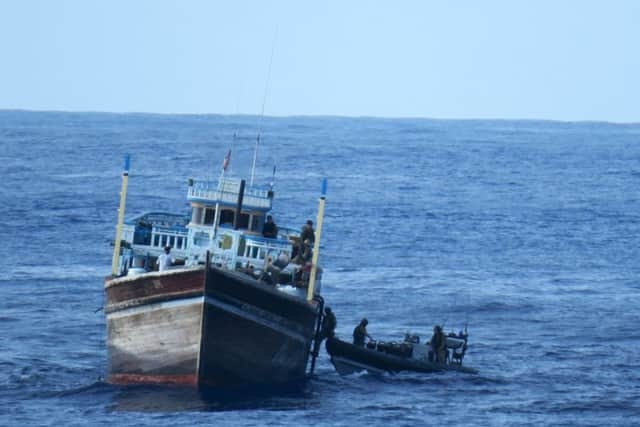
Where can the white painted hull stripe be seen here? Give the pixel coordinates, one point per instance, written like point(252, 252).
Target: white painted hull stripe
point(155, 306)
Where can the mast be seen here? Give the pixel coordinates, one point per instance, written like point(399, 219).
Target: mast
point(264, 101)
point(316, 244)
point(255, 154)
point(123, 200)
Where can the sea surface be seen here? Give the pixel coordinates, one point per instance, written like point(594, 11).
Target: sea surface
point(525, 232)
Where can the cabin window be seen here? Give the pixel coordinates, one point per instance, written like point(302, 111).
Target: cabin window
point(254, 252)
point(172, 241)
point(156, 240)
point(255, 223)
point(226, 216)
point(241, 246)
point(196, 215)
point(243, 222)
point(163, 239)
point(142, 236)
point(209, 216)
point(179, 242)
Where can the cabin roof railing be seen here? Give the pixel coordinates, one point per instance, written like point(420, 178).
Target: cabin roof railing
point(177, 230)
point(157, 218)
point(226, 192)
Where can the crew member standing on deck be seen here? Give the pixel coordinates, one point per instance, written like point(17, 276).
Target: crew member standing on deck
point(439, 344)
point(307, 232)
point(165, 260)
point(270, 229)
point(360, 332)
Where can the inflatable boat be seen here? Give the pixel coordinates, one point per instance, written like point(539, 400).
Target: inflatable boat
point(408, 355)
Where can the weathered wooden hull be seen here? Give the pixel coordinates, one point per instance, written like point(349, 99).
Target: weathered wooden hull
point(216, 328)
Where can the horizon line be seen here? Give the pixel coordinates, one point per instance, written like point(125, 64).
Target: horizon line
point(284, 116)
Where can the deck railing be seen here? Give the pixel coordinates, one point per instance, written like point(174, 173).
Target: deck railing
point(163, 237)
point(227, 191)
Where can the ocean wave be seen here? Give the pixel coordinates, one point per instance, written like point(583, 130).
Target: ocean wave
point(525, 231)
point(56, 272)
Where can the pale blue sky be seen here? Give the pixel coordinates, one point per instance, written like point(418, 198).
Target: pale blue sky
point(565, 60)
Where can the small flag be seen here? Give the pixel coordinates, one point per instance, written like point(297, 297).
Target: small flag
point(227, 159)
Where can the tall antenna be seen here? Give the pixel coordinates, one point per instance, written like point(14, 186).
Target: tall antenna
point(264, 101)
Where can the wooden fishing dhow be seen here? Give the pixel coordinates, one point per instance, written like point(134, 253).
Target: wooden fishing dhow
point(238, 308)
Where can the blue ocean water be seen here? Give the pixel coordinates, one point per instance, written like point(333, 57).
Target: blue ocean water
point(527, 231)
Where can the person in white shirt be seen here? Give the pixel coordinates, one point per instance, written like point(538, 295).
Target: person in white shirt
point(165, 260)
